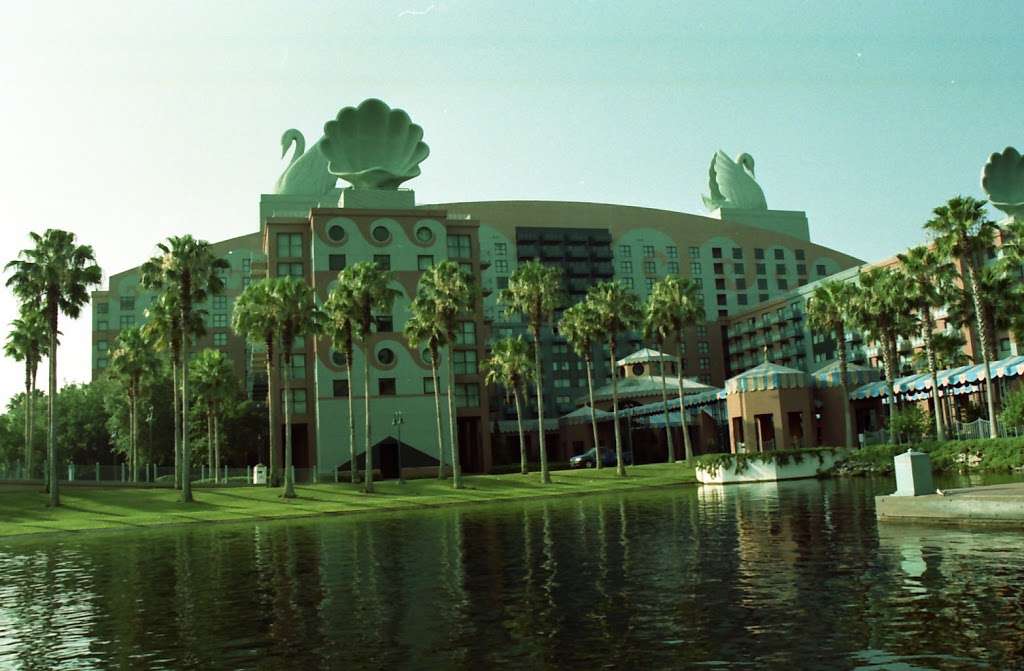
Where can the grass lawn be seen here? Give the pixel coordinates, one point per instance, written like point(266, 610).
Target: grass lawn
point(23, 508)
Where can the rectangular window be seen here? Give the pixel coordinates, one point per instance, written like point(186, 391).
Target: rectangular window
point(672, 252)
point(698, 282)
point(695, 268)
point(780, 268)
point(801, 269)
point(783, 284)
point(464, 362)
point(761, 269)
point(383, 261)
point(220, 339)
point(649, 267)
point(102, 345)
point(101, 362)
point(648, 251)
point(741, 283)
point(762, 284)
point(761, 298)
point(737, 253)
point(741, 299)
point(704, 362)
point(716, 252)
point(298, 400)
point(428, 385)
point(500, 249)
point(627, 266)
point(779, 254)
point(385, 324)
point(501, 266)
point(702, 330)
point(694, 252)
point(738, 269)
point(649, 282)
point(721, 299)
point(625, 251)
point(336, 262)
point(220, 320)
point(289, 270)
point(820, 270)
point(101, 325)
point(627, 282)
point(466, 335)
point(298, 368)
point(467, 395)
point(458, 246)
point(559, 349)
point(247, 265)
point(220, 302)
point(425, 261)
point(289, 245)
point(720, 283)
point(673, 267)
point(340, 388)
point(102, 308)
point(127, 321)
point(386, 386)
point(501, 282)
point(466, 268)
point(127, 303)
point(703, 347)
point(719, 269)
point(759, 253)
point(562, 383)
point(799, 255)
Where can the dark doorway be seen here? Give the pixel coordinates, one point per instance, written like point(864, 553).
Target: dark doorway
point(300, 446)
point(387, 453)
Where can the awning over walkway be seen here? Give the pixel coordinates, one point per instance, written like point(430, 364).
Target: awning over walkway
point(856, 375)
point(948, 379)
point(582, 416)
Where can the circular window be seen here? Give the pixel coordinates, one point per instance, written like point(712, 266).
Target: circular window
point(638, 369)
point(381, 234)
point(386, 356)
point(336, 233)
point(338, 358)
point(426, 354)
point(424, 234)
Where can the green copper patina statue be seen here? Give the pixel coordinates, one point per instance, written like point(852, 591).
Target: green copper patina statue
point(732, 184)
point(373, 146)
point(1002, 179)
point(306, 173)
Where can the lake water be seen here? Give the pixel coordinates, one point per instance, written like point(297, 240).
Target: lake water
point(791, 576)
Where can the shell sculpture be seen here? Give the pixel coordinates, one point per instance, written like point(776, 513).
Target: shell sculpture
point(373, 146)
point(1002, 179)
point(732, 184)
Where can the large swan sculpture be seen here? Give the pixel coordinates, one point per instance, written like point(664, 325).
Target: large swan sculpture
point(306, 173)
point(732, 184)
point(1002, 179)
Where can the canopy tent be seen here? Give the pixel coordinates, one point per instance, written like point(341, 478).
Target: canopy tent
point(856, 375)
point(582, 416)
point(951, 380)
point(767, 376)
point(693, 401)
point(646, 385)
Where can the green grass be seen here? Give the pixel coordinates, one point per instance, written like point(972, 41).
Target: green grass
point(23, 508)
point(982, 455)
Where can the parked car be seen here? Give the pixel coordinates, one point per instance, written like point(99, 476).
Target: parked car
point(589, 458)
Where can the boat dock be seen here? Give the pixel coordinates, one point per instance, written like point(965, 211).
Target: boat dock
point(993, 505)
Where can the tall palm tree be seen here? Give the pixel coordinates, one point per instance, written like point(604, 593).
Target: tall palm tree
point(27, 342)
point(162, 329)
point(964, 234)
point(216, 386)
point(131, 360)
point(580, 329)
point(424, 327)
point(929, 285)
point(53, 277)
point(339, 325)
point(828, 312)
point(999, 293)
point(657, 327)
point(535, 292)
point(681, 308)
point(365, 287)
point(445, 293)
point(511, 366)
point(298, 316)
point(255, 318)
point(186, 269)
point(617, 310)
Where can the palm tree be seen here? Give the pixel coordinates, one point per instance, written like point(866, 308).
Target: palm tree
point(511, 366)
point(424, 327)
point(26, 342)
point(580, 329)
point(948, 348)
point(929, 284)
point(682, 308)
point(339, 324)
point(255, 318)
point(657, 326)
point(828, 312)
point(216, 385)
point(131, 360)
point(964, 234)
point(187, 270)
point(365, 287)
point(298, 316)
point(54, 277)
point(999, 293)
point(445, 292)
point(616, 309)
point(535, 292)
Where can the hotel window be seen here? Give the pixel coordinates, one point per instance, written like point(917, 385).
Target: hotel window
point(500, 249)
point(428, 385)
point(716, 252)
point(799, 254)
point(464, 362)
point(780, 268)
point(741, 283)
point(467, 395)
point(562, 383)
point(650, 283)
point(694, 252)
point(705, 362)
point(386, 386)
point(648, 251)
point(127, 303)
point(737, 269)
point(779, 254)
point(466, 335)
point(627, 282)
point(801, 269)
point(762, 284)
point(759, 253)
point(501, 266)
point(695, 268)
point(289, 270)
point(820, 270)
point(783, 284)
point(385, 323)
point(719, 269)
point(761, 298)
point(341, 388)
point(737, 252)
point(698, 282)
point(761, 269)
point(741, 299)
point(673, 267)
point(247, 265)
point(560, 349)
point(703, 347)
point(298, 368)
point(1004, 346)
point(220, 320)
point(721, 299)
point(625, 251)
point(127, 321)
point(102, 345)
point(298, 399)
point(502, 282)
point(383, 261)
point(672, 252)
point(336, 262)
point(458, 246)
point(220, 339)
point(101, 325)
point(101, 362)
point(220, 302)
point(649, 267)
point(702, 331)
point(720, 283)
point(289, 245)
point(102, 308)
point(627, 266)
point(424, 261)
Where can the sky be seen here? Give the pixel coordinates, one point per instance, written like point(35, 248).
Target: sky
point(127, 122)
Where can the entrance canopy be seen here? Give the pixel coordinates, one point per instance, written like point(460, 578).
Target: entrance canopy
point(856, 375)
point(949, 380)
point(767, 376)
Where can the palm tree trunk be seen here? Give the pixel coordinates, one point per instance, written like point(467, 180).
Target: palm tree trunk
point(664, 402)
point(368, 480)
point(545, 475)
point(593, 412)
point(437, 413)
point(887, 364)
point(286, 372)
point(135, 435)
point(620, 468)
point(28, 420)
point(216, 446)
point(51, 431)
point(993, 430)
point(177, 421)
point(209, 441)
point(186, 454)
point(272, 400)
point(687, 446)
point(353, 471)
point(523, 468)
point(933, 370)
point(456, 465)
point(32, 421)
point(844, 384)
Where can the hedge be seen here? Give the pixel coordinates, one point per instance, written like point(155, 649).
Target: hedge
point(986, 454)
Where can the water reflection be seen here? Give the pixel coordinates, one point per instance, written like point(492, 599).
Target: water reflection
point(794, 575)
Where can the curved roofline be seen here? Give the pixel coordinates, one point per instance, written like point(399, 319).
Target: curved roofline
point(559, 202)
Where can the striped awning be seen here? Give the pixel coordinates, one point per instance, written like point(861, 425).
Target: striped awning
point(856, 375)
point(948, 379)
point(767, 376)
point(582, 416)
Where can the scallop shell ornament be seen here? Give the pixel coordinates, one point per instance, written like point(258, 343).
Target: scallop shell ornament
point(1003, 180)
point(373, 146)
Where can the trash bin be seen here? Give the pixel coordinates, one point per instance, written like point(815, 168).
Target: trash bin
point(913, 474)
point(259, 474)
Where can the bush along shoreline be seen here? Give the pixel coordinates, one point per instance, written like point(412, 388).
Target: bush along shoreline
point(952, 456)
point(737, 463)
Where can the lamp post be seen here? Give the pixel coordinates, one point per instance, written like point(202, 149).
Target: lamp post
point(397, 420)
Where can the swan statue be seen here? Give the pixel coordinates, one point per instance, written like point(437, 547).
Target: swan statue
point(732, 184)
point(1002, 179)
point(306, 173)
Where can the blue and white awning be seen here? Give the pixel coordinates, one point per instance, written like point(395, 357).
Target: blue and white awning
point(949, 380)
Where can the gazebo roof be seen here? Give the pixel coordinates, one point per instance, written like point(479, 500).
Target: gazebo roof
point(582, 416)
point(644, 355)
point(828, 375)
point(646, 385)
point(767, 376)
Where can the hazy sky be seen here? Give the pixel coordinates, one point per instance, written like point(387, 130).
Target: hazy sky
point(126, 122)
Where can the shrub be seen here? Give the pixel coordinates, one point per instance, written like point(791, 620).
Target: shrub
point(1013, 409)
point(986, 454)
point(911, 424)
point(712, 463)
